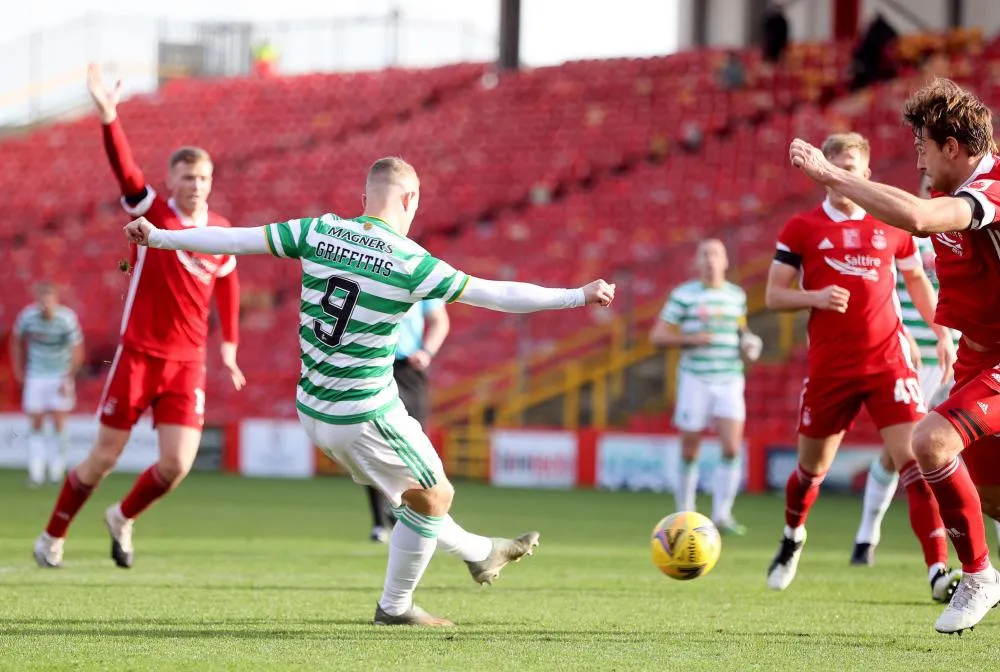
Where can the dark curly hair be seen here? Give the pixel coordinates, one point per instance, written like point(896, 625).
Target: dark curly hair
point(947, 110)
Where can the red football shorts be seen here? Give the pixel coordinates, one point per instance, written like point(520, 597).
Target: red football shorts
point(137, 381)
point(829, 406)
point(973, 409)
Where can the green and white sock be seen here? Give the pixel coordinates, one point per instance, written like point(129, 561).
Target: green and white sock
point(687, 486)
point(879, 490)
point(36, 457)
point(411, 547)
point(58, 447)
point(727, 484)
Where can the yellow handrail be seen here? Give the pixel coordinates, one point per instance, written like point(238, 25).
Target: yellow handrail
point(554, 373)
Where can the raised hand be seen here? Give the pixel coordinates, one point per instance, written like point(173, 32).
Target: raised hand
point(599, 292)
point(105, 99)
point(810, 160)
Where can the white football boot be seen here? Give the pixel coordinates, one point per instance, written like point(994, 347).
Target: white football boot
point(944, 583)
point(781, 573)
point(975, 596)
point(120, 529)
point(49, 551)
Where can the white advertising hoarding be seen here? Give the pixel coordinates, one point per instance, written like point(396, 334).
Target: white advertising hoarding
point(276, 448)
point(533, 458)
point(140, 452)
point(651, 461)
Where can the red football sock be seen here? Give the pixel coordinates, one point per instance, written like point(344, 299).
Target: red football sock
point(800, 494)
point(148, 488)
point(925, 518)
point(72, 497)
point(960, 509)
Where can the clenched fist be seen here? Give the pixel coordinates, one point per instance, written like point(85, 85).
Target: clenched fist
point(810, 160)
point(832, 297)
point(137, 231)
point(599, 292)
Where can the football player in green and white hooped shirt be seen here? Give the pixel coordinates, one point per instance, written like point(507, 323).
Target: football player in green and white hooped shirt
point(46, 351)
point(359, 278)
point(707, 318)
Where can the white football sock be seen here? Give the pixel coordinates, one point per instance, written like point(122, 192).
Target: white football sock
point(454, 539)
point(934, 569)
point(727, 484)
point(880, 487)
point(687, 486)
point(58, 447)
point(795, 533)
point(36, 457)
point(411, 547)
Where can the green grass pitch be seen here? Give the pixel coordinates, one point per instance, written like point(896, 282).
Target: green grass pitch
point(235, 574)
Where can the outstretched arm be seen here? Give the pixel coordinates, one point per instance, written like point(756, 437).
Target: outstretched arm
point(893, 206)
point(522, 297)
point(209, 240)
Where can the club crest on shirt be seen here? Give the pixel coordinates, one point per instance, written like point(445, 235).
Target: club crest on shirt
point(878, 239)
point(953, 241)
point(980, 185)
point(201, 266)
point(852, 238)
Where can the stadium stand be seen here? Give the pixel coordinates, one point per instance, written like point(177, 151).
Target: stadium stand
point(565, 170)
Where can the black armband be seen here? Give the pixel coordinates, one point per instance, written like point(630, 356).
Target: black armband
point(135, 199)
point(978, 212)
point(788, 258)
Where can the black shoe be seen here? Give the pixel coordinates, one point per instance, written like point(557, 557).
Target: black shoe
point(863, 555)
point(785, 564)
point(120, 529)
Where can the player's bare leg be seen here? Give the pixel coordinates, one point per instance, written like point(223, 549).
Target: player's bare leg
point(36, 450)
point(411, 547)
point(687, 481)
point(76, 489)
point(801, 491)
point(925, 518)
point(58, 447)
point(727, 477)
point(937, 445)
point(880, 487)
point(178, 448)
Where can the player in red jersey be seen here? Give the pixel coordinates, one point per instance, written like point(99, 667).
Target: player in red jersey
point(953, 135)
point(160, 363)
point(858, 354)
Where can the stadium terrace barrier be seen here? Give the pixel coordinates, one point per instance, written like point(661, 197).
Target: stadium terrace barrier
point(596, 356)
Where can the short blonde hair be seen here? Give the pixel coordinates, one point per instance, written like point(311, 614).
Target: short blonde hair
point(189, 155)
point(391, 170)
point(838, 143)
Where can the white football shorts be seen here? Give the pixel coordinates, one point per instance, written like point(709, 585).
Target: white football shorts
point(390, 453)
point(47, 394)
point(701, 400)
point(930, 384)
